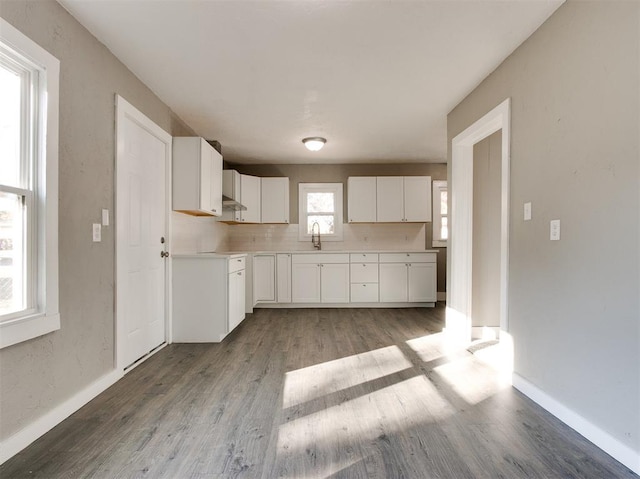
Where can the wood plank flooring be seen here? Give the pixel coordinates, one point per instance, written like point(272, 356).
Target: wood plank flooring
point(315, 393)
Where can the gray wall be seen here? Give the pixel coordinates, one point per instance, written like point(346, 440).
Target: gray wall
point(332, 173)
point(40, 374)
point(487, 164)
point(574, 308)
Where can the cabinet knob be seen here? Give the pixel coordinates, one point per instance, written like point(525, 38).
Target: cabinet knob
point(239, 273)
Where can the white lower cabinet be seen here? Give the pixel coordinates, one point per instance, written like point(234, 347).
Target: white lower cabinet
point(320, 278)
point(408, 277)
point(305, 284)
point(264, 278)
point(236, 298)
point(393, 283)
point(283, 277)
point(208, 296)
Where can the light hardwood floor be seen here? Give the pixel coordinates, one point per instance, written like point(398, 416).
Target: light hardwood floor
point(315, 393)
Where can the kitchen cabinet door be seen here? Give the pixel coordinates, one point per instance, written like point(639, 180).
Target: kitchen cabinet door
point(264, 278)
point(250, 197)
point(390, 199)
point(417, 199)
point(422, 282)
point(361, 199)
point(197, 177)
point(274, 202)
point(393, 282)
point(305, 283)
point(334, 285)
point(283, 275)
point(236, 298)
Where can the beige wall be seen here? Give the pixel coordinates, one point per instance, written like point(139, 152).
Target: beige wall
point(574, 310)
point(338, 174)
point(38, 375)
point(487, 164)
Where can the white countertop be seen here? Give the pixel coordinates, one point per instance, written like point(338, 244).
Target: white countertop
point(374, 251)
point(211, 255)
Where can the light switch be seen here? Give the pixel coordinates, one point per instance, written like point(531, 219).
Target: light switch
point(105, 217)
point(527, 211)
point(97, 232)
point(554, 230)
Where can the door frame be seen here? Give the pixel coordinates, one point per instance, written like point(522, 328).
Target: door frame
point(460, 250)
point(124, 109)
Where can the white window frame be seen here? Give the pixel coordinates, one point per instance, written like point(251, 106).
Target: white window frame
point(42, 315)
point(437, 240)
point(303, 190)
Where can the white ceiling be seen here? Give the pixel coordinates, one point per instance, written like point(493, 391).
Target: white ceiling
point(376, 78)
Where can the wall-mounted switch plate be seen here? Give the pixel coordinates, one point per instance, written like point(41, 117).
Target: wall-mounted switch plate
point(554, 230)
point(97, 232)
point(527, 211)
point(105, 217)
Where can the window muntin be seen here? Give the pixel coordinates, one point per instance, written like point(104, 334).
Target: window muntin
point(321, 203)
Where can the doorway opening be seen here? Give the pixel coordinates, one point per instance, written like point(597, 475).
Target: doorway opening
point(459, 322)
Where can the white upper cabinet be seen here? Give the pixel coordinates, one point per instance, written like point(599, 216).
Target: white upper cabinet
point(361, 199)
point(197, 177)
point(250, 198)
point(245, 190)
point(390, 199)
point(417, 199)
point(403, 199)
point(275, 200)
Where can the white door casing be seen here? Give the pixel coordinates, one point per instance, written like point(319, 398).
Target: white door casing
point(143, 160)
point(459, 252)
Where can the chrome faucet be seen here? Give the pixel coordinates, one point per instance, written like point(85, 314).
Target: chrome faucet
point(315, 240)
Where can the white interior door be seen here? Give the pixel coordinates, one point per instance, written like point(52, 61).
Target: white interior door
point(142, 163)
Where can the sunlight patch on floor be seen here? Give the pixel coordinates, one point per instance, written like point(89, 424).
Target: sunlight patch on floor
point(471, 380)
point(309, 383)
point(398, 407)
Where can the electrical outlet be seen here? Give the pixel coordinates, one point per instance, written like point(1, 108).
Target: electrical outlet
point(554, 230)
point(105, 217)
point(527, 211)
point(97, 232)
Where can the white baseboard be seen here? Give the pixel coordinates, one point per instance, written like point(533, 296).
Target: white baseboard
point(593, 433)
point(16, 443)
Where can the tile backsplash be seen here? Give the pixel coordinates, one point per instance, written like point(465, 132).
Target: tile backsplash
point(386, 236)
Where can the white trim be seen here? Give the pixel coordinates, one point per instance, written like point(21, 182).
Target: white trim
point(261, 305)
point(575, 421)
point(338, 189)
point(16, 443)
point(459, 252)
point(124, 109)
point(48, 319)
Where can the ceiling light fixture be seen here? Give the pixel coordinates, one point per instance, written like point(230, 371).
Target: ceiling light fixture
point(314, 143)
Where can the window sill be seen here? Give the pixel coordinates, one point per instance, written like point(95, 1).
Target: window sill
point(27, 327)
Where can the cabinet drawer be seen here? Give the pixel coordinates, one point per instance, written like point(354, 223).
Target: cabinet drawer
point(364, 273)
point(407, 257)
point(320, 258)
point(364, 293)
point(363, 257)
point(236, 264)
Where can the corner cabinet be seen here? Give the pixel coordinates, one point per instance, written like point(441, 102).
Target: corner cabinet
point(197, 177)
point(208, 296)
